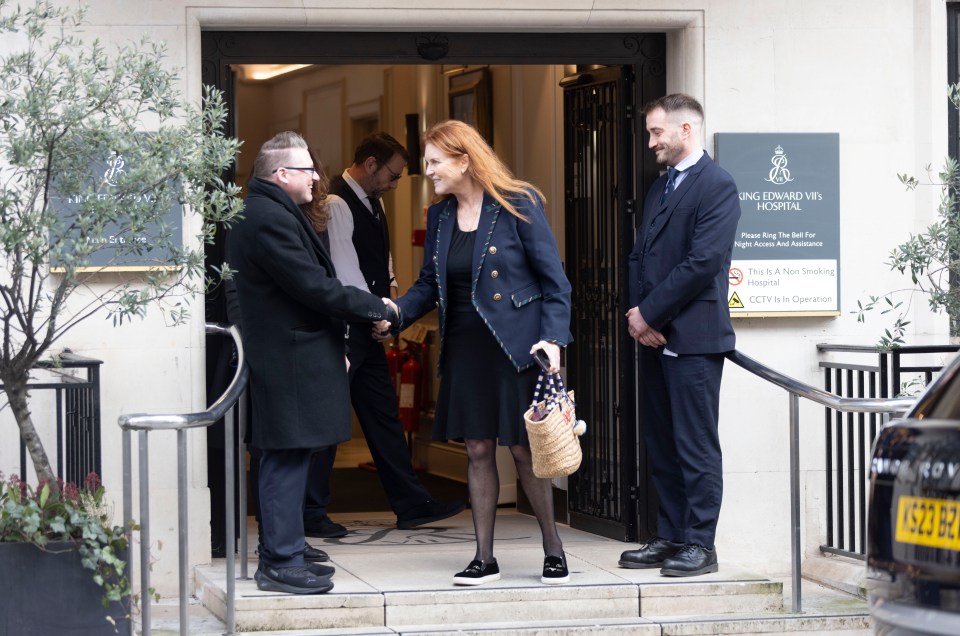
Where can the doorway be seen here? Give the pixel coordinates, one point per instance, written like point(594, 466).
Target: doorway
point(609, 491)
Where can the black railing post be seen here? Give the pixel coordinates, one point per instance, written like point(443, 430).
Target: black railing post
point(828, 438)
point(884, 376)
point(851, 471)
point(93, 376)
point(63, 445)
point(838, 437)
point(864, 463)
point(895, 388)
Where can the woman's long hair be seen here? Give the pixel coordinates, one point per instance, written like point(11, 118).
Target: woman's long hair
point(455, 138)
point(316, 210)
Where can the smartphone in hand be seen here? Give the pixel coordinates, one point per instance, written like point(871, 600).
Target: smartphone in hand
point(542, 360)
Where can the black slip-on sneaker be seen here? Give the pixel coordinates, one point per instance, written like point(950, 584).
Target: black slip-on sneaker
point(555, 570)
point(478, 573)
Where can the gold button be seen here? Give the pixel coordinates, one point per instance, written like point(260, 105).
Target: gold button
point(494, 274)
point(493, 249)
point(497, 296)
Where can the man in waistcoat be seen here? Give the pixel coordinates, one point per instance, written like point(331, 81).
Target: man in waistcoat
point(360, 247)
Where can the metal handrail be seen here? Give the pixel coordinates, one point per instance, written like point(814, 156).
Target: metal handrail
point(796, 390)
point(143, 424)
point(223, 408)
point(214, 412)
point(812, 393)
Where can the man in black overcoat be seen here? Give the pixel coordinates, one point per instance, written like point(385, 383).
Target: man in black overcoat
point(292, 310)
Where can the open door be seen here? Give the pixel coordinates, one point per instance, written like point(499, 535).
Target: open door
point(605, 173)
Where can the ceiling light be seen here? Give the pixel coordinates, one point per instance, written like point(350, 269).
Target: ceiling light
point(260, 72)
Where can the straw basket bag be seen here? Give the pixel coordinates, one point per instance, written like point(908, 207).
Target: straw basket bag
point(553, 429)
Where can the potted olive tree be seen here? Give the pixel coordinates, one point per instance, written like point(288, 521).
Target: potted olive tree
point(101, 159)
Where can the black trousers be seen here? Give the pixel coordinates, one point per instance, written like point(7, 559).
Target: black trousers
point(283, 480)
point(681, 408)
point(374, 401)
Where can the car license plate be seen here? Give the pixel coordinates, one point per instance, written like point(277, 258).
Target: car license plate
point(929, 522)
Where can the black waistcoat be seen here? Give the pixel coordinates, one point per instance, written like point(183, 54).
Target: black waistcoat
point(370, 239)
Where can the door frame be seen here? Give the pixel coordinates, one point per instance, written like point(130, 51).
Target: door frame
point(221, 48)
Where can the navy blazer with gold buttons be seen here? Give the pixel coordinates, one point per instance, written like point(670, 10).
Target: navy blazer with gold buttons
point(519, 287)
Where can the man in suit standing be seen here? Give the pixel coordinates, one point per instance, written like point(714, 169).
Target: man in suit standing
point(679, 314)
point(292, 309)
point(360, 248)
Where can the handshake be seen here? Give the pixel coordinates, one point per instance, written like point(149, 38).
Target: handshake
point(384, 329)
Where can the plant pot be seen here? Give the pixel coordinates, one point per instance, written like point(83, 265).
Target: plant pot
point(52, 594)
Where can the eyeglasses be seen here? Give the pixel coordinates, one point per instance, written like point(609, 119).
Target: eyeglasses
point(310, 169)
point(393, 175)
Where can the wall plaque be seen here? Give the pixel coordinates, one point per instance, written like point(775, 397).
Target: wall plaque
point(786, 255)
point(119, 245)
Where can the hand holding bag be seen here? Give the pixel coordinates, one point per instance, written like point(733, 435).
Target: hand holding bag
point(553, 428)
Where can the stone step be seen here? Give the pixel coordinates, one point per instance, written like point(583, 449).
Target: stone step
point(808, 626)
point(360, 605)
point(392, 581)
point(841, 625)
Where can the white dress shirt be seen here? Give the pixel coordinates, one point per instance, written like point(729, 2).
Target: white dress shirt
point(342, 251)
point(687, 162)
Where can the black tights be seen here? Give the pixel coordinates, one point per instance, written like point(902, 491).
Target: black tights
point(483, 482)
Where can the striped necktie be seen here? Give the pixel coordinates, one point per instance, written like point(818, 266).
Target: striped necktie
point(671, 184)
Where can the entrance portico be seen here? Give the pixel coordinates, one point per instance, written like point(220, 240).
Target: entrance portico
point(757, 67)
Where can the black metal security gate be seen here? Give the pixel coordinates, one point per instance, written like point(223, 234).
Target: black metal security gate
point(602, 162)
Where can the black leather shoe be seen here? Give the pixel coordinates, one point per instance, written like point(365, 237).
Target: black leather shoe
point(651, 555)
point(323, 528)
point(691, 560)
point(428, 513)
point(291, 580)
point(313, 555)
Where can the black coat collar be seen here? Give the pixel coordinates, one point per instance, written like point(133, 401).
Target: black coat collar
point(270, 190)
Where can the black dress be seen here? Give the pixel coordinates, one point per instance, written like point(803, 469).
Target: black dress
point(481, 396)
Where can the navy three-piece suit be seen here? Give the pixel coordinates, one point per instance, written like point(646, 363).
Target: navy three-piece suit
point(679, 280)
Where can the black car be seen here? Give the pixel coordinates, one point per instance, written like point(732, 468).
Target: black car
point(913, 532)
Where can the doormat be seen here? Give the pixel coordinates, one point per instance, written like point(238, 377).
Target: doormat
point(357, 490)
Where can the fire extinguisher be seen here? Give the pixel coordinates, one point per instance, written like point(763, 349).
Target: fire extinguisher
point(394, 362)
point(410, 392)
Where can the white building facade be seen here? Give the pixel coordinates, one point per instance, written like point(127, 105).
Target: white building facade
point(873, 72)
